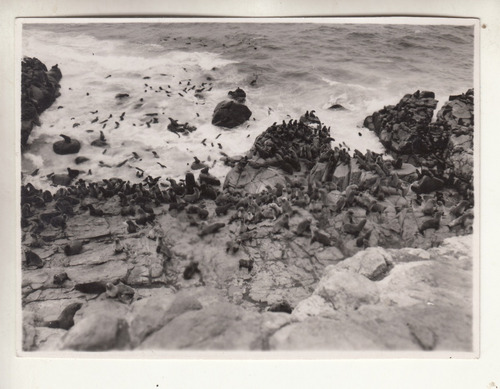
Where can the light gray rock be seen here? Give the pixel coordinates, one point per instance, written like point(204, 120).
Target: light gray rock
point(220, 326)
point(372, 263)
point(346, 290)
point(98, 332)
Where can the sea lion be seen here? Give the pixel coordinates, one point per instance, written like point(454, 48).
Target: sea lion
point(163, 249)
point(282, 306)
point(60, 278)
point(192, 198)
point(197, 164)
point(246, 263)
point(459, 209)
point(282, 222)
point(303, 226)
point(100, 142)
point(33, 259)
point(320, 236)
point(131, 227)
point(122, 292)
point(211, 229)
point(354, 228)
point(118, 246)
point(93, 287)
point(190, 270)
point(431, 223)
point(206, 178)
point(65, 319)
point(427, 184)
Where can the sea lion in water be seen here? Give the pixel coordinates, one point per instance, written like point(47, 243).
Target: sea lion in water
point(100, 142)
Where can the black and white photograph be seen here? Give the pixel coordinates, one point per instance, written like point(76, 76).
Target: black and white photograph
point(259, 185)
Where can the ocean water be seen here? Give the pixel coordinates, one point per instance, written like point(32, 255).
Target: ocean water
point(295, 67)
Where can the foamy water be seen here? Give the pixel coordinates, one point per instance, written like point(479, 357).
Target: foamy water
point(296, 68)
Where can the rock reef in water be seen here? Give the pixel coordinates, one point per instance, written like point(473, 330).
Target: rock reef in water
point(39, 89)
point(444, 146)
point(230, 114)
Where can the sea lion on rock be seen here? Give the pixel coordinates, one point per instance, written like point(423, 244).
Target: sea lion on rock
point(33, 259)
point(118, 246)
point(131, 227)
point(431, 223)
point(211, 229)
point(93, 287)
point(190, 270)
point(65, 319)
point(320, 236)
point(427, 184)
point(246, 263)
point(163, 249)
point(282, 306)
point(459, 209)
point(60, 278)
point(197, 164)
point(122, 292)
point(66, 146)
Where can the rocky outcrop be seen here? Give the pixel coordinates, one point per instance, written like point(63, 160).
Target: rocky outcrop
point(424, 303)
point(39, 89)
point(238, 95)
point(420, 300)
point(444, 147)
point(457, 119)
point(230, 114)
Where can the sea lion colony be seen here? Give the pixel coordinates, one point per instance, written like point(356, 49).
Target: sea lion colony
point(349, 211)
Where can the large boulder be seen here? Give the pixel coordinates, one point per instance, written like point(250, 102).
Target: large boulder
point(230, 114)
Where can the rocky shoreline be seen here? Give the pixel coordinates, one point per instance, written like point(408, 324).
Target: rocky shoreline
point(39, 89)
point(306, 245)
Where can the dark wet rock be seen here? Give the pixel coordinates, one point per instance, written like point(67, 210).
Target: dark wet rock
point(238, 95)
point(337, 107)
point(39, 89)
point(66, 146)
point(444, 146)
point(230, 114)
